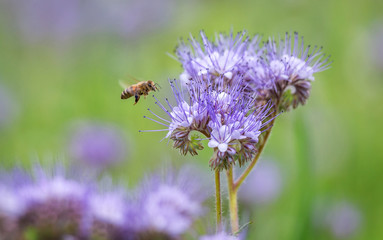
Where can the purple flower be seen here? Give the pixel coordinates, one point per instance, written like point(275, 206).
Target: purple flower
point(280, 71)
point(225, 115)
point(343, 219)
point(285, 72)
point(108, 215)
point(263, 185)
point(226, 57)
point(97, 144)
point(41, 20)
point(169, 206)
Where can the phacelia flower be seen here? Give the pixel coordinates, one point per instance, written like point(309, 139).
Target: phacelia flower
point(107, 214)
point(280, 71)
point(224, 115)
point(285, 71)
point(229, 56)
point(55, 204)
point(232, 89)
point(97, 145)
point(168, 207)
point(343, 219)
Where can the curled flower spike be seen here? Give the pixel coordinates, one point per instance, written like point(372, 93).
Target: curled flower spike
point(169, 205)
point(285, 72)
point(225, 115)
point(226, 57)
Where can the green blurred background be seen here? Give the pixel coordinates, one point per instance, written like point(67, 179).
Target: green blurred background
point(61, 63)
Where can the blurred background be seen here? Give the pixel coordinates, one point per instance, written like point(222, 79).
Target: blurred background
point(320, 177)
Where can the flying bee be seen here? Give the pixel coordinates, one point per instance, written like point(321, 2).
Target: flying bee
point(138, 89)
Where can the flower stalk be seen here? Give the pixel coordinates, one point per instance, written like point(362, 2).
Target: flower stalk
point(233, 202)
point(218, 202)
point(243, 176)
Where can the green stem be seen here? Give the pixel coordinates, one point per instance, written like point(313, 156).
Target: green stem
point(218, 206)
point(245, 173)
point(233, 203)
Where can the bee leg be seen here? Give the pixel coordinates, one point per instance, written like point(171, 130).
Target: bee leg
point(137, 97)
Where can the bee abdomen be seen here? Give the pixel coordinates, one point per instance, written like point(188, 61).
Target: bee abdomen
point(126, 93)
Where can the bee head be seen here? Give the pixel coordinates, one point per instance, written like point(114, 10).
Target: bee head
point(151, 85)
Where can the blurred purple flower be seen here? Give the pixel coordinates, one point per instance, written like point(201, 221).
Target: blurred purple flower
point(97, 144)
point(41, 20)
point(343, 219)
point(64, 21)
point(263, 184)
point(170, 204)
point(108, 214)
point(131, 18)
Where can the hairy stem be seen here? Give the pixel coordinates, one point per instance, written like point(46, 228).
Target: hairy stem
point(218, 207)
point(233, 203)
point(243, 176)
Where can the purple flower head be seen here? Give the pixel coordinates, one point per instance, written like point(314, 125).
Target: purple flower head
point(108, 212)
point(263, 184)
point(219, 236)
point(343, 219)
point(39, 20)
point(55, 204)
point(225, 115)
point(169, 206)
point(12, 204)
point(97, 144)
point(285, 71)
point(226, 57)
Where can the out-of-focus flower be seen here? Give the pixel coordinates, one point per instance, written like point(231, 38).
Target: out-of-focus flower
point(131, 18)
point(108, 213)
point(12, 205)
point(262, 185)
point(8, 107)
point(56, 204)
point(343, 219)
point(97, 144)
point(169, 206)
point(42, 20)
point(218, 236)
point(65, 21)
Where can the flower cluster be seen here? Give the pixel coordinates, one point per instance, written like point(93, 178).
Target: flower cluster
point(227, 117)
point(234, 89)
point(57, 206)
point(281, 71)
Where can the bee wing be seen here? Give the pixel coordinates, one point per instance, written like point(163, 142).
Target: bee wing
point(123, 84)
point(135, 79)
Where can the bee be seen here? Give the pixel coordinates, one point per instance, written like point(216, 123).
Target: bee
point(138, 89)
